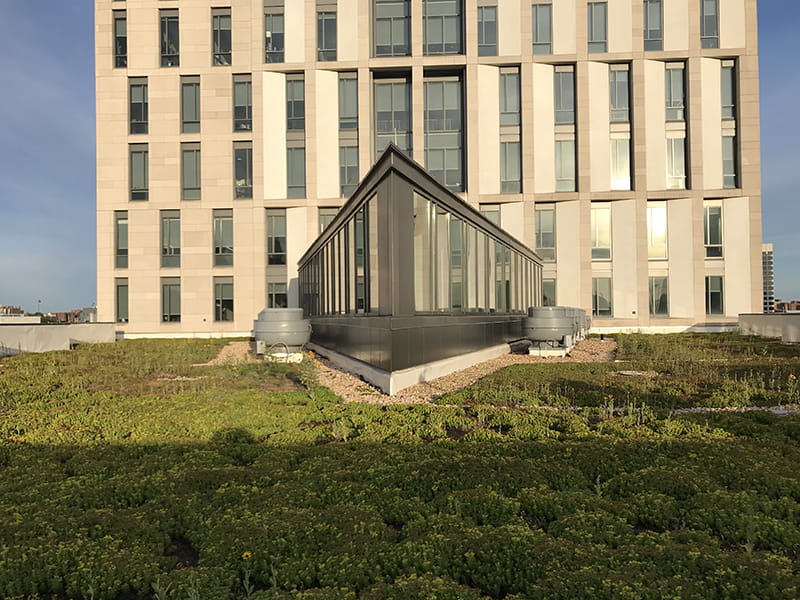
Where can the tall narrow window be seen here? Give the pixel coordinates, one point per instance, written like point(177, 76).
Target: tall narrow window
point(712, 227)
point(138, 104)
point(659, 306)
point(546, 232)
point(276, 295)
point(565, 166)
point(675, 101)
point(221, 34)
point(243, 169)
point(326, 217)
point(729, 171)
point(296, 172)
point(348, 101)
point(392, 115)
point(656, 230)
point(273, 37)
point(620, 92)
point(295, 104)
point(121, 299)
point(138, 175)
point(564, 85)
point(601, 233)
point(653, 25)
point(348, 169)
point(170, 40)
point(392, 28)
point(548, 292)
point(326, 35)
point(676, 163)
point(170, 238)
point(443, 132)
point(487, 31)
point(601, 297)
point(709, 24)
point(509, 96)
point(620, 164)
point(442, 32)
point(190, 169)
point(276, 236)
point(510, 168)
point(120, 39)
point(491, 212)
point(170, 299)
point(223, 237)
point(190, 104)
point(597, 26)
point(728, 77)
point(121, 239)
point(223, 298)
point(714, 298)
point(242, 103)
point(542, 28)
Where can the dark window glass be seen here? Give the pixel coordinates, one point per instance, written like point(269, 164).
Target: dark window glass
point(120, 39)
point(392, 28)
point(221, 27)
point(487, 31)
point(273, 38)
point(326, 36)
point(170, 40)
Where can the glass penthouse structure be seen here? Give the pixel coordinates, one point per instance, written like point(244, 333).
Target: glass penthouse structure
point(407, 273)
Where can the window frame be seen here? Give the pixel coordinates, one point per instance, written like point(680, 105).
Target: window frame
point(191, 171)
point(121, 239)
point(221, 43)
point(398, 24)
point(708, 21)
point(597, 312)
point(242, 113)
point(436, 21)
point(170, 46)
point(170, 252)
point(137, 109)
point(596, 45)
point(190, 82)
point(653, 37)
point(326, 48)
point(541, 45)
point(485, 26)
point(138, 152)
point(120, 20)
point(714, 248)
point(274, 49)
point(169, 299)
point(276, 237)
point(542, 237)
point(222, 225)
point(223, 299)
point(242, 165)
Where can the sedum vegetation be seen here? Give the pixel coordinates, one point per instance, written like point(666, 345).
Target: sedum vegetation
point(130, 472)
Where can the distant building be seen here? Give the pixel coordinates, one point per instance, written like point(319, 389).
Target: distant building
point(7, 311)
point(768, 272)
point(791, 306)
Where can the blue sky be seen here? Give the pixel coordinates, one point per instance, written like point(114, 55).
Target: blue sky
point(47, 221)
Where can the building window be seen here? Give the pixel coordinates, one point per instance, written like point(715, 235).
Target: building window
point(601, 297)
point(121, 239)
point(326, 36)
point(296, 172)
point(138, 105)
point(392, 28)
point(487, 31)
point(675, 100)
point(170, 299)
point(597, 26)
point(729, 162)
point(348, 101)
point(564, 85)
point(221, 28)
point(120, 39)
point(170, 41)
point(348, 169)
point(392, 115)
point(242, 169)
point(510, 168)
point(620, 164)
point(653, 25)
point(138, 172)
point(565, 165)
point(242, 103)
point(546, 233)
point(121, 299)
point(223, 298)
point(656, 230)
point(190, 104)
point(712, 227)
point(190, 171)
point(491, 212)
point(601, 233)
point(295, 104)
point(542, 28)
point(709, 24)
point(326, 217)
point(659, 306)
point(170, 238)
point(276, 295)
point(728, 76)
point(620, 92)
point(273, 38)
point(443, 132)
point(276, 236)
point(714, 295)
point(509, 96)
point(223, 237)
point(442, 27)
point(549, 292)
point(676, 163)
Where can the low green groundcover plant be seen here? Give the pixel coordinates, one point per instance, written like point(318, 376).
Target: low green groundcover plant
point(176, 480)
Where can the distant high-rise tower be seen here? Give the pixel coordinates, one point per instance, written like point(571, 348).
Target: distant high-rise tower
point(768, 270)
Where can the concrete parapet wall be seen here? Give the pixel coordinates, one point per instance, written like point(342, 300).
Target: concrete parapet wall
point(44, 338)
point(785, 327)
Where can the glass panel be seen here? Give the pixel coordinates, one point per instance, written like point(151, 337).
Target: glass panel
point(170, 240)
point(658, 297)
point(713, 231)
point(487, 31)
point(326, 36)
point(676, 163)
point(714, 297)
point(709, 24)
point(546, 233)
point(348, 103)
point(597, 26)
point(242, 106)
point(296, 172)
point(191, 174)
point(509, 98)
point(565, 96)
point(510, 169)
point(348, 169)
point(675, 94)
point(223, 301)
point(276, 237)
point(656, 230)
point(729, 162)
point(443, 132)
point(653, 33)
point(601, 297)
point(121, 241)
point(392, 28)
point(565, 166)
point(619, 88)
point(728, 76)
point(542, 29)
point(601, 233)
point(620, 164)
point(549, 292)
point(243, 171)
point(138, 173)
point(170, 42)
point(190, 107)
point(273, 38)
point(221, 26)
point(223, 238)
point(122, 300)
point(295, 104)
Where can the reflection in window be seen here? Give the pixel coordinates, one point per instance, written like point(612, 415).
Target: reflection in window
point(392, 115)
point(243, 169)
point(121, 299)
point(223, 238)
point(170, 41)
point(276, 295)
point(242, 103)
point(510, 168)
point(273, 38)
point(675, 100)
point(656, 230)
point(712, 231)
point(170, 299)
point(658, 296)
point(223, 299)
point(546, 233)
point(392, 28)
point(442, 27)
point(565, 165)
point(170, 238)
point(549, 292)
point(729, 178)
point(709, 24)
point(444, 132)
point(190, 104)
point(653, 28)
point(190, 171)
point(601, 297)
point(326, 36)
point(597, 26)
point(348, 170)
point(620, 164)
point(619, 88)
point(221, 35)
point(676, 163)
point(601, 233)
point(138, 105)
point(714, 298)
point(120, 39)
point(487, 31)
point(542, 28)
point(296, 172)
point(564, 85)
point(121, 239)
point(295, 104)
point(276, 236)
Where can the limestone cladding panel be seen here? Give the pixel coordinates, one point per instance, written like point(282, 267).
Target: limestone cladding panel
point(681, 249)
point(599, 140)
point(676, 24)
point(732, 24)
point(512, 218)
point(565, 13)
point(620, 25)
point(295, 20)
point(569, 252)
point(326, 107)
point(711, 98)
point(655, 131)
point(543, 133)
point(297, 241)
point(736, 229)
point(488, 130)
point(509, 27)
point(347, 30)
point(274, 146)
point(626, 229)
